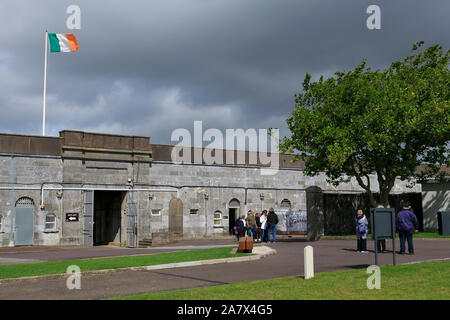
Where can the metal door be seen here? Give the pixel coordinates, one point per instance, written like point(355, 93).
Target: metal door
point(132, 223)
point(88, 226)
point(24, 226)
point(176, 217)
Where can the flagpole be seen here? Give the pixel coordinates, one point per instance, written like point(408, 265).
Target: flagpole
point(45, 83)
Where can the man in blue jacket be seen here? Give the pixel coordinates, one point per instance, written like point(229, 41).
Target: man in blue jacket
point(240, 227)
point(406, 224)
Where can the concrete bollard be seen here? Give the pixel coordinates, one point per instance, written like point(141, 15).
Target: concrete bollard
point(309, 262)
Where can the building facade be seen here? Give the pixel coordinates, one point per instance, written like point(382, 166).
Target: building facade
point(93, 189)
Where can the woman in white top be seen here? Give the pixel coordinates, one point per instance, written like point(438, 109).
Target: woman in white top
point(263, 220)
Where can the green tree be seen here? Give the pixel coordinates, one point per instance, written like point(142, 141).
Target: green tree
point(394, 123)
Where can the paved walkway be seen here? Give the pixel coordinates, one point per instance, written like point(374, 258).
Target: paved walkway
point(328, 254)
point(12, 255)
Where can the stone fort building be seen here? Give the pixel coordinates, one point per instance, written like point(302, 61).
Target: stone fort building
point(89, 189)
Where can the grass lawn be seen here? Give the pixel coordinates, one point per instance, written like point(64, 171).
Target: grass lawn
point(418, 235)
point(424, 281)
point(54, 267)
point(429, 235)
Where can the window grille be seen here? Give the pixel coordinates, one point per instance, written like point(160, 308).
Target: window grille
point(25, 202)
point(217, 219)
point(50, 221)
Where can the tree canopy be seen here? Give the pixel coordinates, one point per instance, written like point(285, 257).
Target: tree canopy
point(385, 122)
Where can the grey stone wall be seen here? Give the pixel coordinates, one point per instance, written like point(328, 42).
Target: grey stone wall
point(28, 174)
point(435, 198)
point(192, 182)
point(221, 184)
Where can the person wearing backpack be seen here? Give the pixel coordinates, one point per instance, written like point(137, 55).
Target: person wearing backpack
point(239, 228)
point(361, 231)
point(272, 221)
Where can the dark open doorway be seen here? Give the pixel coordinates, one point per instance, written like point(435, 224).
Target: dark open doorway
point(232, 220)
point(107, 217)
point(233, 214)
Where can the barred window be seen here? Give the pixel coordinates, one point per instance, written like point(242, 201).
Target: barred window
point(1, 221)
point(25, 202)
point(50, 221)
point(217, 219)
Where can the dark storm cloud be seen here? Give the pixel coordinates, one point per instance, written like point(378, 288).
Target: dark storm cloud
point(149, 67)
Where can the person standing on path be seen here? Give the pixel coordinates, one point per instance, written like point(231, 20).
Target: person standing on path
point(361, 232)
point(406, 223)
point(258, 227)
point(239, 228)
point(263, 220)
point(251, 224)
point(272, 220)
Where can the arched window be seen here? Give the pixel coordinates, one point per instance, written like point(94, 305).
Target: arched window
point(50, 221)
point(217, 218)
point(285, 203)
point(24, 202)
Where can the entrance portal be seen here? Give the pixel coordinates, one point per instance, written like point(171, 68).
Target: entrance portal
point(232, 220)
point(107, 217)
point(176, 217)
point(24, 222)
point(233, 214)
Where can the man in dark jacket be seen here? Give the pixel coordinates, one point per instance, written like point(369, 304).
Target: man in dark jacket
point(272, 221)
point(258, 227)
point(240, 227)
point(406, 224)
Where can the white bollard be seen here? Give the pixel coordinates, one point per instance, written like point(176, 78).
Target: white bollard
point(309, 262)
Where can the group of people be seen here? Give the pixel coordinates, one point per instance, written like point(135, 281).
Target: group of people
point(259, 226)
point(405, 223)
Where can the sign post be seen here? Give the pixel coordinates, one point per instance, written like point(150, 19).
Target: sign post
point(382, 225)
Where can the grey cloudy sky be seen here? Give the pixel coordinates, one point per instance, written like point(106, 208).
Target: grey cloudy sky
point(150, 67)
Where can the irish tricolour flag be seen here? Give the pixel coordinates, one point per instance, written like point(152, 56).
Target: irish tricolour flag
point(62, 42)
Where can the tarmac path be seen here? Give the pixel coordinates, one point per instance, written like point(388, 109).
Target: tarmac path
point(329, 255)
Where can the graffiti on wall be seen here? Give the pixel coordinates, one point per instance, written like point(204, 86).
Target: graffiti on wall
point(292, 221)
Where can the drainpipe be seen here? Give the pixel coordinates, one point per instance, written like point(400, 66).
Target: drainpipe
point(59, 195)
point(206, 197)
point(42, 204)
point(12, 202)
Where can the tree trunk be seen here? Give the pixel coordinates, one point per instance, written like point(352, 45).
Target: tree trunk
point(384, 199)
point(373, 202)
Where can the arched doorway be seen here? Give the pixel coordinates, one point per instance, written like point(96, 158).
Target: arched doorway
point(24, 222)
point(285, 203)
point(176, 217)
point(234, 209)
